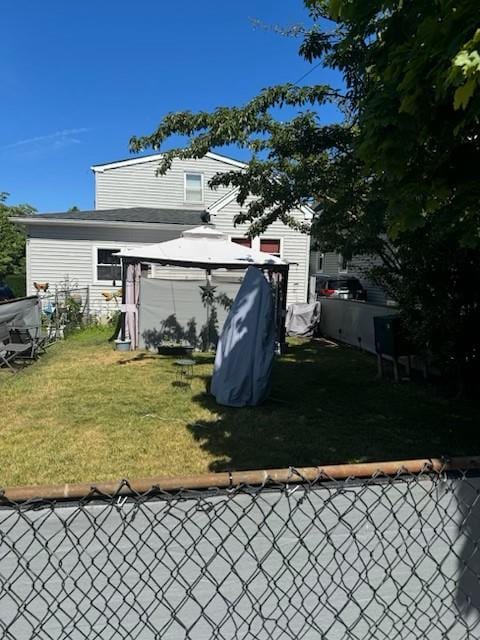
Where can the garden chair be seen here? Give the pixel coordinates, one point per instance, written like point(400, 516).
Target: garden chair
point(30, 334)
point(9, 351)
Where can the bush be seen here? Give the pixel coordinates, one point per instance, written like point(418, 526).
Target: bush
point(17, 284)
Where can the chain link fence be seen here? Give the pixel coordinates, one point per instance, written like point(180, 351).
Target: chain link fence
point(388, 556)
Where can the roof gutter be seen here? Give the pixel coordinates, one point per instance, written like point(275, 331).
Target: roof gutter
point(114, 224)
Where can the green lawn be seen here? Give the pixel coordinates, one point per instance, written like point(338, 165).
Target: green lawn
point(85, 412)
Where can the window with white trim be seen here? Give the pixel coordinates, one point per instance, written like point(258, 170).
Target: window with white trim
point(193, 184)
point(272, 246)
point(108, 267)
point(342, 264)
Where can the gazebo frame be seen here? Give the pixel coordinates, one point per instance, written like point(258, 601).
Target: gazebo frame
point(280, 269)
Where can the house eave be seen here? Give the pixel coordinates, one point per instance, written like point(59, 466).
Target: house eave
point(100, 168)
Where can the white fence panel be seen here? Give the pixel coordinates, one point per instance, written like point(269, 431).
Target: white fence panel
point(351, 321)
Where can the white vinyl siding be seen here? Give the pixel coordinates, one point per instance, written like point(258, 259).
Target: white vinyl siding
point(193, 188)
point(138, 185)
point(54, 261)
point(295, 246)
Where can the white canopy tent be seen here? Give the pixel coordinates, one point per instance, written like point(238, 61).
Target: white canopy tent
point(205, 248)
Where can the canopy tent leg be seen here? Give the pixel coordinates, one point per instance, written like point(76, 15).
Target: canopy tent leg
point(208, 275)
point(124, 290)
point(283, 311)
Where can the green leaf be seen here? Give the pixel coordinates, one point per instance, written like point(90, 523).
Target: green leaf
point(463, 94)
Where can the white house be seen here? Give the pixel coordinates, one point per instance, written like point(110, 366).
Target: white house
point(135, 206)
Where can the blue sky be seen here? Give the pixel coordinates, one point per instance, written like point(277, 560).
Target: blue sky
point(79, 77)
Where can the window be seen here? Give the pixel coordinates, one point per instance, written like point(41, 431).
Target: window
point(342, 264)
point(270, 246)
point(320, 261)
point(245, 242)
point(193, 187)
point(108, 266)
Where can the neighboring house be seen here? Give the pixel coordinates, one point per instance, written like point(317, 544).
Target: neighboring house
point(135, 206)
point(334, 264)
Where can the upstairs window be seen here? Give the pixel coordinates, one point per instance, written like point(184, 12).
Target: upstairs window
point(271, 246)
point(108, 267)
point(193, 187)
point(245, 242)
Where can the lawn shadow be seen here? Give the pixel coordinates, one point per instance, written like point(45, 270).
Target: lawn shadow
point(326, 406)
point(181, 385)
point(142, 356)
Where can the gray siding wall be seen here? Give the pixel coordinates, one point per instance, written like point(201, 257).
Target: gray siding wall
point(138, 186)
point(357, 268)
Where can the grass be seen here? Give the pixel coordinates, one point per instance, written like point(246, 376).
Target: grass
point(85, 412)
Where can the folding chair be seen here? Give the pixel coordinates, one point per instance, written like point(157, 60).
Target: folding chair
point(9, 351)
point(30, 334)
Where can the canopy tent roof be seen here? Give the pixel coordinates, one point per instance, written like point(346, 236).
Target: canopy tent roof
point(206, 248)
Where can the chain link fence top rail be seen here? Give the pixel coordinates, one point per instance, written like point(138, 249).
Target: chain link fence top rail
point(307, 556)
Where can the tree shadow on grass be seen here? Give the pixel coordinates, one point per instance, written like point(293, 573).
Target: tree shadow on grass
point(326, 406)
point(142, 356)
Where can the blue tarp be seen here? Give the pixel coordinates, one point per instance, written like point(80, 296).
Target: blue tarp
point(245, 350)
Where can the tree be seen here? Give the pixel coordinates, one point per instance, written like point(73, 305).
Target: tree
point(12, 238)
point(398, 178)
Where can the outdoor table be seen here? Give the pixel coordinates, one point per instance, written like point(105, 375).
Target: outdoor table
point(184, 373)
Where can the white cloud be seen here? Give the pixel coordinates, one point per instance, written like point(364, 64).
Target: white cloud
point(57, 140)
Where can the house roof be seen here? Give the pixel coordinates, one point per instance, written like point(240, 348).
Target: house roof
point(155, 157)
point(146, 215)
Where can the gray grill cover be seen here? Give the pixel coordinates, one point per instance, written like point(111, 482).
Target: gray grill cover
point(302, 319)
point(245, 351)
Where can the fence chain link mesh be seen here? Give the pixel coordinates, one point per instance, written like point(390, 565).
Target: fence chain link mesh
point(383, 558)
